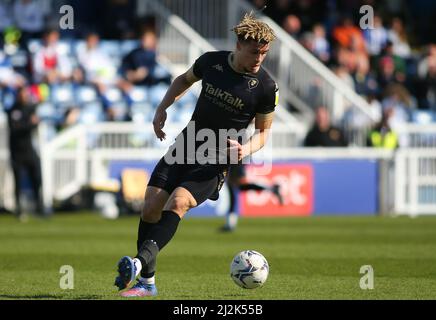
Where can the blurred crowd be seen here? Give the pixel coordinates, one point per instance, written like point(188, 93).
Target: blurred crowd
point(76, 76)
point(393, 64)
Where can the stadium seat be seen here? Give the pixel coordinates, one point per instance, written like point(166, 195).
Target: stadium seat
point(139, 95)
point(142, 112)
point(86, 94)
point(47, 112)
point(127, 46)
point(62, 95)
point(91, 113)
point(423, 117)
point(156, 94)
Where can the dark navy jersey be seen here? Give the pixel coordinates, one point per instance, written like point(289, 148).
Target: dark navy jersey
point(229, 99)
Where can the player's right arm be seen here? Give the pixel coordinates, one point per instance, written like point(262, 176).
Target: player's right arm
point(177, 89)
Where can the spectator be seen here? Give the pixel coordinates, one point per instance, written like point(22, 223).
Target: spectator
point(29, 17)
point(382, 136)
point(398, 36)
point(429, 86)
point(22, 121)
point(321, 47)
point(400, 101)
point(323, 134)
point(348, 36)
point(292, 25)
point(376, 39)
point(342, 73)
point(140, 67)
point(387, 73)
point(50, 64)
point(364, 82)
point(8, 77)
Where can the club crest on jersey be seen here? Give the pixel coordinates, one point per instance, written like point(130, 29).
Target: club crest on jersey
point(218, 67)
point(253, 83)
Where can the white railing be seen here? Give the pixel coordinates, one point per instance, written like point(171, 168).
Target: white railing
point(415, 182)
point(305, 82)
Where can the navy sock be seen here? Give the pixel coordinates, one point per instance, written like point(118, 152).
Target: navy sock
point(157, 237)
point(253, 186)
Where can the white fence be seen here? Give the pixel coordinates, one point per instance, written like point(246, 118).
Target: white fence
point(79, 157)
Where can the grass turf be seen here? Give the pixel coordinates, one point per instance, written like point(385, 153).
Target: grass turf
point(310, 258)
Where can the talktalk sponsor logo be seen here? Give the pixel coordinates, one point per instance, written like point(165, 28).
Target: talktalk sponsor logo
point(296, 184)
point(224, 96)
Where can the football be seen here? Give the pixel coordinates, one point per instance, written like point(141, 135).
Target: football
point(249, 269)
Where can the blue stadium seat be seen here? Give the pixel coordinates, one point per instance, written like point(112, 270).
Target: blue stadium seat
point(127, 46)
point(47, 112)
point(86, 94)
point(111, 48)
point(139, 95)
point(62, 95)
point(91, 113)
point(142, 112)
point(156, 94)
point(423, 117)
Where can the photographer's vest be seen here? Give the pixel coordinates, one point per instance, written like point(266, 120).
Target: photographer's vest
point(389, 140)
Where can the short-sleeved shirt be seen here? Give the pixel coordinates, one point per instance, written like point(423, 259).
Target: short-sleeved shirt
point(230, 99)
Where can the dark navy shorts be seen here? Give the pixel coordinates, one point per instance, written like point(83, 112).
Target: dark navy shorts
point(202, 181)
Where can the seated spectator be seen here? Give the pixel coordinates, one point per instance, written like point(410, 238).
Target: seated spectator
point(139, 67)
point(397, 98)
point(430, 57)
point(398, 36)
point(50, 64)
point(365, 83)
point(323, 134)
point(348, 36)
point(376, 39)
point(382, 136)
point(321, 47)
point(292, 25)
point(429, 86)
point(387, 73)
point(342, 73)
point(29, 17)
point(8, 77)
point(96, 64)
point(355, 120)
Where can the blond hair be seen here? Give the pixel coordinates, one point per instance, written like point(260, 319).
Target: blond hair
point(252, 28)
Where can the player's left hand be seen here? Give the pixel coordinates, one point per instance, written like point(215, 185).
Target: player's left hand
point(158, 124)
point(234, 149)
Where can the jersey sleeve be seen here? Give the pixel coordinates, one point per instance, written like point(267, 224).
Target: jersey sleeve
point(270, 99)
point(200, 65)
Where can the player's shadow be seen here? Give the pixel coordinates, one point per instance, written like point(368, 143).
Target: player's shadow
point(49, 297)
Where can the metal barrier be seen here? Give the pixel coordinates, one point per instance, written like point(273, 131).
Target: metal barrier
point(415, 178)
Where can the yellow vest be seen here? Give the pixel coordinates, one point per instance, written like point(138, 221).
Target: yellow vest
point(387, 141)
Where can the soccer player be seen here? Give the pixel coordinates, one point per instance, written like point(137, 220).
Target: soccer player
point(235, 90)
point(237, 181)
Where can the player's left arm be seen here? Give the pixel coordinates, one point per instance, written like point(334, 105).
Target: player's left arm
point(263, 123)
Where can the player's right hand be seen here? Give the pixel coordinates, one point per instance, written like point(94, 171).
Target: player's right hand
point(158, 124)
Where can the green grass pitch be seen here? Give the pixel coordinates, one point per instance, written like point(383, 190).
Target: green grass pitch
point(310, 258)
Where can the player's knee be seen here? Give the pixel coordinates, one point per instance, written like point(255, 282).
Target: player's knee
point(180, 205)
point(150, 213)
